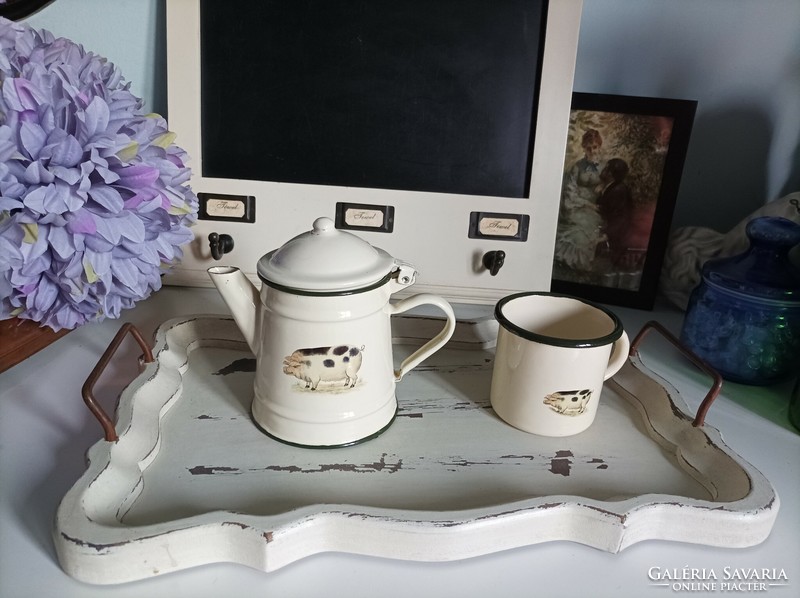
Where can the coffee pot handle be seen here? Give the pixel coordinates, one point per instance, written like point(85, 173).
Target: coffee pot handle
point(433, 345)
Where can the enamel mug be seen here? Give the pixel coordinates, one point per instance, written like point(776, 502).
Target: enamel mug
point(553, 354)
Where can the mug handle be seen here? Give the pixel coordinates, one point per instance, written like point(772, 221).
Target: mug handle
point(433, 345)
point(619, 355)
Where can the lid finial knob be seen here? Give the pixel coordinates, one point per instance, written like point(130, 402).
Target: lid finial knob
point(323, 225)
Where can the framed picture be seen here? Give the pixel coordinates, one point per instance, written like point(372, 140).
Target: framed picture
point(622, 171)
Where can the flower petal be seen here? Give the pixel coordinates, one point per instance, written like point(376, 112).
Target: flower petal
point(67, 152)
point(93, 120)
point(81, 221)
point(32, 137)
point(125, 272)
point(21, 95)
point(108, 197)
point(137, 176)
point(7, 203)
point(37, 174)
point(45, 294)
point(100, 261)
point(61, 242)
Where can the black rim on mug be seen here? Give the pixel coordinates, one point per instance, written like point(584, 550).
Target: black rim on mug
point(606, 339)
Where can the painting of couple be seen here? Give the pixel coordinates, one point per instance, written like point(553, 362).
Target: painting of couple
point(618, 191)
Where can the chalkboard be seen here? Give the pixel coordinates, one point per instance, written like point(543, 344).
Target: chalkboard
point(420, 95)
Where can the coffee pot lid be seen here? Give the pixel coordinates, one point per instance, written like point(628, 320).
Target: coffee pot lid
point(325, 260)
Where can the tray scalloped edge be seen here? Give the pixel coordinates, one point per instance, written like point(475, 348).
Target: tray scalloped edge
point(92, 549)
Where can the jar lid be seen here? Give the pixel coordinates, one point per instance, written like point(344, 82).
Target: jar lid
point(765, 270)
point(325, 260)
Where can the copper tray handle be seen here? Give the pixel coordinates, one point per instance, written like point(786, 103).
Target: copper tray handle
point(700, 416)
point(88, 387)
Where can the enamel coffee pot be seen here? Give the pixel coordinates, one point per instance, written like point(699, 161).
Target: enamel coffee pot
point(320, 330)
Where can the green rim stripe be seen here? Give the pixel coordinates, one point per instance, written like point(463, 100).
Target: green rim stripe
point(327, 446)
point(308, 293)
point(551, 340)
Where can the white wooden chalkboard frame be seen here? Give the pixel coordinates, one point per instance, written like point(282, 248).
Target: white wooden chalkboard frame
point(431, 230)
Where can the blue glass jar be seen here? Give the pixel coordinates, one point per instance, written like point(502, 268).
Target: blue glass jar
point(744, 317)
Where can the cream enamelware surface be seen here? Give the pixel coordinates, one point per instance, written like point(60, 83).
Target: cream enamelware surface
point(320, 330)
point(325, 259)
point(548, 382)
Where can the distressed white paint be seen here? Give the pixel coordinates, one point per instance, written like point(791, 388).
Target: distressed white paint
point(192, 481)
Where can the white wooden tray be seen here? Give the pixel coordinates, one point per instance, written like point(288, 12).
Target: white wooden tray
point(191, 480)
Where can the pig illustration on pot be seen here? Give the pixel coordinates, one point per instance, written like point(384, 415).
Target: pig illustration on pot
point(568, 402)
point(339, 364)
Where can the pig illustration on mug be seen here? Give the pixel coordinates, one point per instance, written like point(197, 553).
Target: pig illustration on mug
point(339, 364)
point(568, 402)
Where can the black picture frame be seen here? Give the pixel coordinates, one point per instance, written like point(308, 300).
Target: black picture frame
point(617, 200)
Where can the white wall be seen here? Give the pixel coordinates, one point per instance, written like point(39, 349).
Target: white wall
point(739, 58)
point(130, 33)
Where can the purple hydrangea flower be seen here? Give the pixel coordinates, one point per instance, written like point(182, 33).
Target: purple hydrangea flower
point(94, 200)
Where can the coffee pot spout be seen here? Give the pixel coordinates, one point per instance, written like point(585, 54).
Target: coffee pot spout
point(243, 300)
